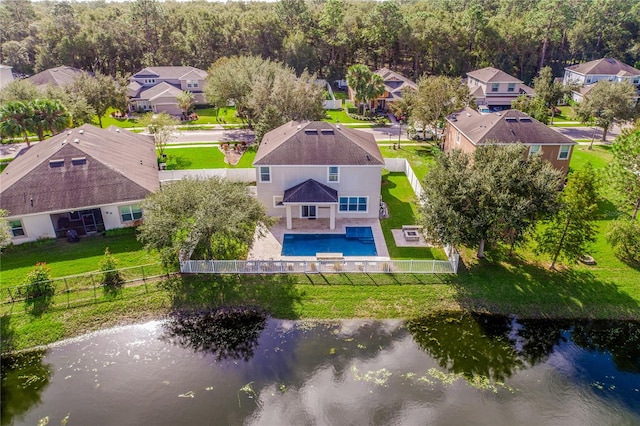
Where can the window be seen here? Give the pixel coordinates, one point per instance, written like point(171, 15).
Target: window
point(534, 149)
point(277, 201)
point(511, 87)
point(636, 80)
point(129, 213)
point(149, 81)
point(16, 228)
point(588, 80)
point(564, 152)
point(458, 137)
point(308, 211)
point(265, 174)
point(334, 174)
point(192, 83)
point(353, 204)
point(494, 87)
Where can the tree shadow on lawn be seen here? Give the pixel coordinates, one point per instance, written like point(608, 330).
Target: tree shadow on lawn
point(177, 162)
point(7, 332)
point(503, 285)
point(276, 294)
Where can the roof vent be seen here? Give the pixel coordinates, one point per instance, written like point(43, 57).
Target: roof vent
point(81, 131)
point(117, 130)
point(338, 126)
point(511, 119)
point(298, 127)
point(526, 120)
point(78, 161)
point(326, 131)
point(76, 140)
point(311, 131)
point(69, 132)
point(468, 115)
point(56, 163)
point(64, 141)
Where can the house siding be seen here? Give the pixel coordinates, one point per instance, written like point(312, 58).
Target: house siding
point(360, 181)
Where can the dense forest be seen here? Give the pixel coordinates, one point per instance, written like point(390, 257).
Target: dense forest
point(444, 37)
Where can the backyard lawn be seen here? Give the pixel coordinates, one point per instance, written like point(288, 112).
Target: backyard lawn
point(66, 258)
point(204, 157)
point(420, 157)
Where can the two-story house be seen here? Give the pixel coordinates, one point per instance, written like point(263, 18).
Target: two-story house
point(85, 179)
point(585, 75)
point(494, 88)
point(468, 129)
point(318, 170)
point(394, 84)
point(56, 77)
point(156, 88)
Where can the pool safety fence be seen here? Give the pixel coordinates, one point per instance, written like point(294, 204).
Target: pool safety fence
point(340, 266)
point(90, 284)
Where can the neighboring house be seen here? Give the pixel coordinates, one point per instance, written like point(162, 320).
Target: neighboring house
point(86, 179)
point(319, 170)
point(468, 129)
point(56, 77)
point(494, 88)
point(584, 76)
point(394, 84)
point(6, 76)
point(155, 88)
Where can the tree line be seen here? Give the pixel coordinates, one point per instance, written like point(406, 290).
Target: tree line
point(436, 37)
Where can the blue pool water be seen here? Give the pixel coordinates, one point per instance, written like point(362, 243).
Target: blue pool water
point(358, 241)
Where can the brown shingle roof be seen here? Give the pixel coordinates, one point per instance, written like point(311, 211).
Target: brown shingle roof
point(493, 75)
point(317, 143)
point(59, 76)
point(395, 83)
point(604, 66)
point(511, 126)
point(119, 166)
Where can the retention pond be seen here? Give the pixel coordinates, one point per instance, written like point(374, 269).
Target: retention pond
point(233, 368)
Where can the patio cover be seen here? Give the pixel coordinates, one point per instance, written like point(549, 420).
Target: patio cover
point(310, 191)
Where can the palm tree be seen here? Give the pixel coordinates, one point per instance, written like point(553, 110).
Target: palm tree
point(55, 115)
point(357, 77)
point(373, 88)
point(15, 119)
point(184, 101)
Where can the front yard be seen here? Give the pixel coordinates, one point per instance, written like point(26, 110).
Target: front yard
point(204, 157)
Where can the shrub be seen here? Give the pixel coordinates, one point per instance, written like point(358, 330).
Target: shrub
point(111, 278)
point(624, 237)
point(38, 289)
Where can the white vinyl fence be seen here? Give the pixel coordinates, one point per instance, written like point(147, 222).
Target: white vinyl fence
point(402, 165)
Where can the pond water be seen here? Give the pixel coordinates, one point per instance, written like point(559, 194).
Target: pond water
point(218, 369)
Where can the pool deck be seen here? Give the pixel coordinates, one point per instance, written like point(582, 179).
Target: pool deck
point(269, 246)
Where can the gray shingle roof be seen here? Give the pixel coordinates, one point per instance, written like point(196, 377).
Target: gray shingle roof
point(604, 66)
point(170, 73)
point(59, 76)
point(511, 126)
point(317, 143)
point(118, 166)
point(158, 90)
point(493, 75)
point(395, 82)
point(310, 191)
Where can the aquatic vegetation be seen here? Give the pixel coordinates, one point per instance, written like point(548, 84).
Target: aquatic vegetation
point(379, 377)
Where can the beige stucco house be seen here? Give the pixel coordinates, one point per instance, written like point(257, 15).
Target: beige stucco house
point(468, 129)
point(494, 88)
point(394, 84)
point(86, 179)
point(585, 75)
point(312, 170)
point(155, 88)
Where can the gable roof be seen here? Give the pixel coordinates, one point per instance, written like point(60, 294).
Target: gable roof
point(395, 83)
point(159, 90)
point(604, 66)
point(310, 191)
point(59, 76)
point(82, 167)
point(493, 75)
point(510, 126)
point(171, 73)
point(317, 143)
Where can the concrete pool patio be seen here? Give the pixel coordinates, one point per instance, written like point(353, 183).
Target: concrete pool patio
point(269, 246)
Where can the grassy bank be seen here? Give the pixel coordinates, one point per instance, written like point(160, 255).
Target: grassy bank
point(521, 288)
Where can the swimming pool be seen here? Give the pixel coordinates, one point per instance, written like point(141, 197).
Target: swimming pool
point(357, 241)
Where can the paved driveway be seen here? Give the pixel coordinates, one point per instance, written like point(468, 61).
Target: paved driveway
point(588, 132)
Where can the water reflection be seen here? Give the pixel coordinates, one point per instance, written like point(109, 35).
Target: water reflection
point(24, 378)
point(229, 333)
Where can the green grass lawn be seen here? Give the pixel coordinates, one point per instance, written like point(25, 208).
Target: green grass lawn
point(204, 157)
point(66, 258)
point(341, 116)
point(107, 121)
point(226, 115)
point(402, 205)
point(420, 157)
